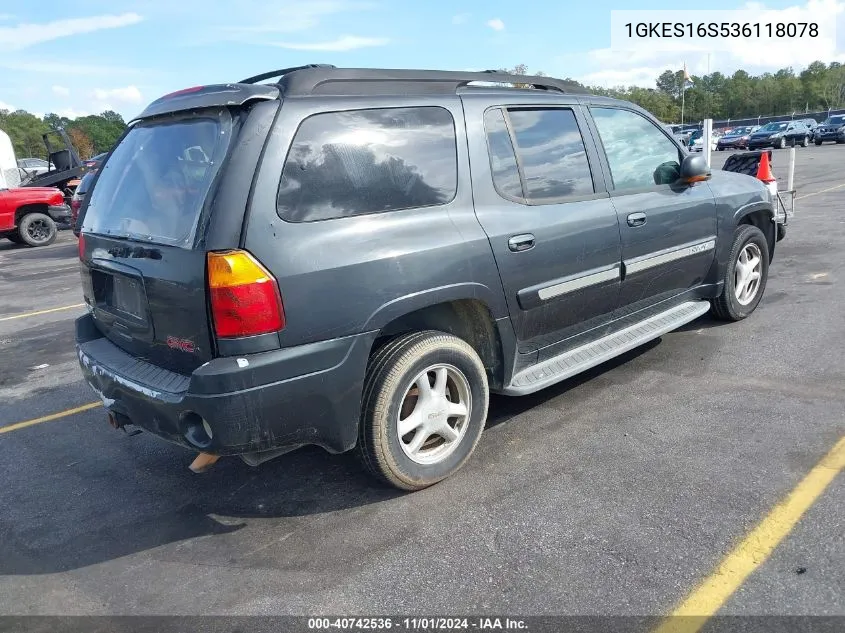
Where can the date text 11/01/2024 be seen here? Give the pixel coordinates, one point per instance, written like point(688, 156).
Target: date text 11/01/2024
point(670, 30)
point(418, 624)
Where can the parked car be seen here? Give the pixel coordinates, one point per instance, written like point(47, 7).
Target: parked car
point(735, 138)
point(780, 134)
point(811, 124)
point(833, 129)
point(387, 249)
point(34, 166)
point(696, 142)
point(93, 163)
point(79, 198)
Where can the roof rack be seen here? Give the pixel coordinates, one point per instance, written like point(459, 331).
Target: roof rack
point(329, 80)
point(280, 73)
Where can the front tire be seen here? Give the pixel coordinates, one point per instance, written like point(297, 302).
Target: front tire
point(423, 409)
point(745, 277)
point(37, 229)
point(781, 144)
point(805, 142)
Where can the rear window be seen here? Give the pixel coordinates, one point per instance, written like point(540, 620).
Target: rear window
point(157, 179)
point(358, 162)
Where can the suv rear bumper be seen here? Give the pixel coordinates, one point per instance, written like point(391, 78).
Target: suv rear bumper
point(282, 399)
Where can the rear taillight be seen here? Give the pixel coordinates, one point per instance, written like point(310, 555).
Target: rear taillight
point(81, 245)
point(244, 296)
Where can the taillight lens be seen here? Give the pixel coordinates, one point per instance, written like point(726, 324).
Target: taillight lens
point(81, 244)
point(245, 298)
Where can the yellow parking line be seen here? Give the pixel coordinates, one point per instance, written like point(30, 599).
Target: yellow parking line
point(49, 418)
point(692, 614)
point(29, 314)
point(815, 193)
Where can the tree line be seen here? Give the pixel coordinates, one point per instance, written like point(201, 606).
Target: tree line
point(818, 87)
point(90, 134)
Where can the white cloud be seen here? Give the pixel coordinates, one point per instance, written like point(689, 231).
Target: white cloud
point(72, 113)
point(65, 68)
point(496, 24)
point(343, 43)
point(460, 18)
point(129, 94)
point(21, 36)
point(6, 106)
point(290, 17)
point(61, 91)
point(6, 16)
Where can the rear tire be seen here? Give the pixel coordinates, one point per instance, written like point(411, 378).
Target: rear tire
point(37, 229)
point(395, 396)
point(818, 142)
point(745, 279)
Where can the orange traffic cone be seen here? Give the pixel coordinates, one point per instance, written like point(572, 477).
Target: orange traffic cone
point(764, 171)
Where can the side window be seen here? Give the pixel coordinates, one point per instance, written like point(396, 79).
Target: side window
point(638, 153)
point(502, 156)
point(549, 150)
point(357, 162)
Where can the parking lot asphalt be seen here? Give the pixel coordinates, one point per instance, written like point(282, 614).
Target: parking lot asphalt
point(616, 492)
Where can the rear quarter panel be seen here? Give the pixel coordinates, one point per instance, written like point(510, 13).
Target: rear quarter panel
point(350, 275)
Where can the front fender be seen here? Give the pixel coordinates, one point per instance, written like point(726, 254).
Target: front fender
point(753, 207)
point(769, 226)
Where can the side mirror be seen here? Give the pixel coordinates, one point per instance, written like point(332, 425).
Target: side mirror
point(694, 169)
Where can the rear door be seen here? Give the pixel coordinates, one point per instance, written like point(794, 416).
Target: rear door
point(541, 199)
point(143, 258)
point(668, 231)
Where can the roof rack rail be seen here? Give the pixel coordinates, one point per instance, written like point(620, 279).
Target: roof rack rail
point(280, 73)
point(325, 79)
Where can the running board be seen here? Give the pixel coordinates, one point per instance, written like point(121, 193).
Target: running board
point(580, 359)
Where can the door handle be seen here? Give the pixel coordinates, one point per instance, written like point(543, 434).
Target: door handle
point(522, 242)
point(636, 219)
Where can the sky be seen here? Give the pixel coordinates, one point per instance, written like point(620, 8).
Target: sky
point(77, 58)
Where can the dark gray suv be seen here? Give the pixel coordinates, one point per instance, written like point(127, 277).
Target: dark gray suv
point(357, 258)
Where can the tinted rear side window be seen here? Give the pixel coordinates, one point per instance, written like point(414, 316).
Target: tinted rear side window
point(552, 153)
point(343, 164)
point(502, 156)
point(549, 150)
point(156, 182)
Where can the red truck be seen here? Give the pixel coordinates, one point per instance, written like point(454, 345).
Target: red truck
point(28, 215)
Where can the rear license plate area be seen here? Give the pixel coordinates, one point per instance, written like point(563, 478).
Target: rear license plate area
point(119, 294)
point(126, 296)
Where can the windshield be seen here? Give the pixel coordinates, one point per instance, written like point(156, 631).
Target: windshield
point(740, 131)
point(773, 127)
point(836, 120)
point(155, 184)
